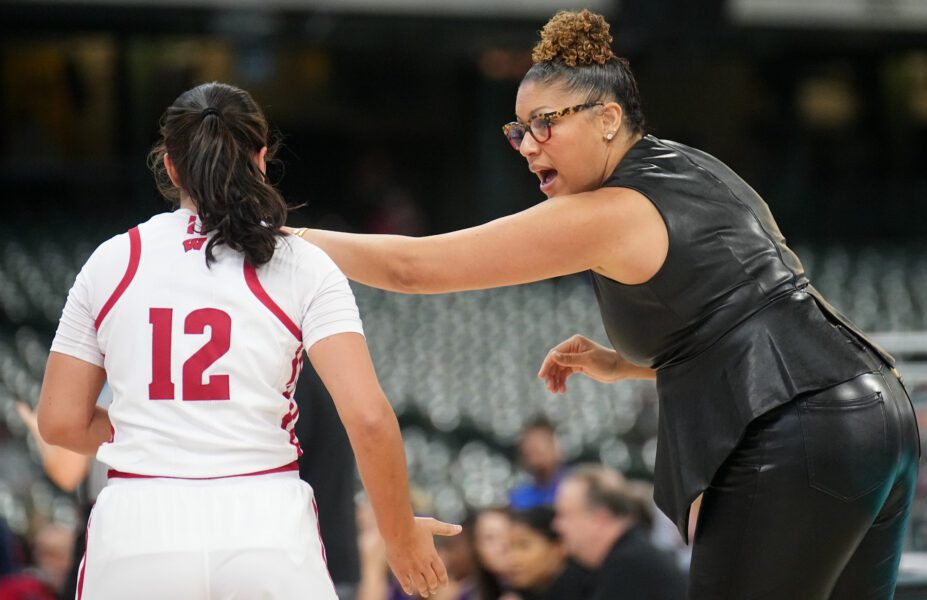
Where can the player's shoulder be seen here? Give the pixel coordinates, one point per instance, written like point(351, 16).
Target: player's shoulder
point(118, 246)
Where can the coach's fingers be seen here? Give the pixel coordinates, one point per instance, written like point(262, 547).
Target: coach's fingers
point(571, 359)
point(546, 366)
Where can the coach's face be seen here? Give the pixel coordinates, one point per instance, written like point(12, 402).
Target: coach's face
point(576, 523)
point(571, 154)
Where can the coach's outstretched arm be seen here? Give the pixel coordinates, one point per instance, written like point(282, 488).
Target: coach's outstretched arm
point(343, 362)
point(611, 230)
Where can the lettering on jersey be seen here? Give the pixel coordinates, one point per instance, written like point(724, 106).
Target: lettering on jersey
point(194, 244)
point(190, 225)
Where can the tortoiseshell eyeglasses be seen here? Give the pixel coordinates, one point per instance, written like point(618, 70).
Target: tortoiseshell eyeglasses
point(540, 125)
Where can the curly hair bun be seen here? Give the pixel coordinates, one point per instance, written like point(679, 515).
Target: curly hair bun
point(575, 38)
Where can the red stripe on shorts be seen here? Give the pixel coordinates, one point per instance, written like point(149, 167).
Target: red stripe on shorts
point(83, 562)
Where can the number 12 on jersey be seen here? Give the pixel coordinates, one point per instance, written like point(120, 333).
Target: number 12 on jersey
point(220, 329)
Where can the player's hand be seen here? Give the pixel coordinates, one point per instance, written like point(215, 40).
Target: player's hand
point(415, 561)
point(579, 354)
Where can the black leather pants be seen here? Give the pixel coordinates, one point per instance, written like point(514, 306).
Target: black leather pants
point(814, 502)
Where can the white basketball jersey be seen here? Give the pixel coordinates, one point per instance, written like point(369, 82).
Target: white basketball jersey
point(202, 360)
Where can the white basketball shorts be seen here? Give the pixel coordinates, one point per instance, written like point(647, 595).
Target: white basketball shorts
point(251, 537)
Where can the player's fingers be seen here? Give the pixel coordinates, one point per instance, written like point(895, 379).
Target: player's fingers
point(407, 586)
point(424, 590)
point(441, 528)
point(432, 578)
point(440, 570)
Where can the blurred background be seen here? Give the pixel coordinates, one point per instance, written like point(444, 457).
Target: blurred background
point(389, 114)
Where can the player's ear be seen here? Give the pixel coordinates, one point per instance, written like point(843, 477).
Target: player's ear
point(171, 170)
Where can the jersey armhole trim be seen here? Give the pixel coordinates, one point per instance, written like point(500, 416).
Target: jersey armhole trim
point(254, 284)
point(135, 255)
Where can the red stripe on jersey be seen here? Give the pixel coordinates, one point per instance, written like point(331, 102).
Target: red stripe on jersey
point(297, 367)
point(113, 474)
point(135, 255)
point(190, 224)
point(258, 290)
point(288, 423)
point(83, 562)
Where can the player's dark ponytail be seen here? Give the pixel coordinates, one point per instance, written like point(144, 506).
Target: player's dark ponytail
point(213, 134)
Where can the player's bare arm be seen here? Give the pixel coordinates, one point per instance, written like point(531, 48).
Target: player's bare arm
point(67, 413)
point(344, 364)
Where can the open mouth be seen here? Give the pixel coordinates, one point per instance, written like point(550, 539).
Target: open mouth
point(547, 177)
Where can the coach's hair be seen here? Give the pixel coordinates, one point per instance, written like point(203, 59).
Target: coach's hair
point(212, 134)
point(575, 51)
point(607, 489)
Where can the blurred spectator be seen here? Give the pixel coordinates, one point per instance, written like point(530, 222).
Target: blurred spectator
point(382, 197)
point(375, 575)
point(459, 557)
point(46, 578)
point(662, 530)
point(540, 455)
point(489, 531)
point(7, 565)
point(539, 567)
point(52, 553)
point(397, 214)
point(599, 521)
point(71, 472)
point(25, 586)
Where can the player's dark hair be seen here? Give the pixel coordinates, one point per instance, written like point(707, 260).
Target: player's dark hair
point(539, 519)
point(575, 52)
point(212, 134)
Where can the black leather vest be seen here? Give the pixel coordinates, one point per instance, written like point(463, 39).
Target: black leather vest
point(729, 322)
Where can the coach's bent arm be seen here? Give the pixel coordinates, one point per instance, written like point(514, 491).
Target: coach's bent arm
point(67, 413)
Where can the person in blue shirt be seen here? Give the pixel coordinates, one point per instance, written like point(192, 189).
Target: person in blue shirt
point(540, 455)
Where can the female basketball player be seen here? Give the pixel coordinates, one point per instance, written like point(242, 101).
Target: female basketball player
point(198, 319)
point(793, 424)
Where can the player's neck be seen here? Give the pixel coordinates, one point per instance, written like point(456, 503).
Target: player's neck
point(187, 203)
